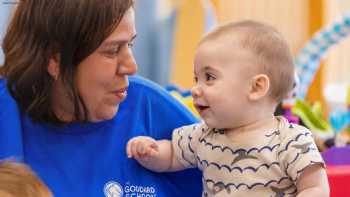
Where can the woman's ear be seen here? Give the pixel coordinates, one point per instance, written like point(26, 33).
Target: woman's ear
point(259, 87)
point(53, 68)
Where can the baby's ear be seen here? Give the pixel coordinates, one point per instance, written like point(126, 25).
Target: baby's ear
point(259, 87)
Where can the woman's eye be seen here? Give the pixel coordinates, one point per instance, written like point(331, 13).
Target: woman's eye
point(209, 77)
point(112, 52)
point(195, 79)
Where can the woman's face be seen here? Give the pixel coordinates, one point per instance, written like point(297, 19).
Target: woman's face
point(102, 77)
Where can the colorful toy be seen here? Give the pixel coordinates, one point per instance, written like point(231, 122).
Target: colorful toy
point(337, 158)
point(184, 97)
point(312, 117)
point(308, 61)
point(339, 119)
point(348, 107)
point(187, 101)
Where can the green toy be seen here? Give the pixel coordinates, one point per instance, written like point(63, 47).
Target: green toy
point(312, 116)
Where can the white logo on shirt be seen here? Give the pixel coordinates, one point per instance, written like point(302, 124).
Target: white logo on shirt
point(113, 189)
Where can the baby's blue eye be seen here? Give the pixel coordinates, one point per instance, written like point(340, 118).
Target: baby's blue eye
point(209, 77)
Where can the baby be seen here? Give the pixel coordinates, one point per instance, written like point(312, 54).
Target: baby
point(242, 71)
point(17, 179)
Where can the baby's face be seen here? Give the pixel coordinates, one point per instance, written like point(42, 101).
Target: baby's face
point(222, 76)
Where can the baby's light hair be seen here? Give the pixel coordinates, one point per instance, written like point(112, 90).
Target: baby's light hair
point(17, 179)
point(269, 49)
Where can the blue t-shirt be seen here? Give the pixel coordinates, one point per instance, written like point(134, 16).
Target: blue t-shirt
point(90, 159)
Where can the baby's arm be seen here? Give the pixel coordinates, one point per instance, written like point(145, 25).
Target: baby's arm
point(313, 182)
point(154, 155)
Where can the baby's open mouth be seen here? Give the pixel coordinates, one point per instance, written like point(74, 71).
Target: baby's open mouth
point(201, 108)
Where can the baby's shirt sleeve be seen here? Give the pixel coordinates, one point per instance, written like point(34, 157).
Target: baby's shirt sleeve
point(298, 151)
point(185, 141)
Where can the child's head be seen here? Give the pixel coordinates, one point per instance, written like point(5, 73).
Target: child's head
point(17, 179)
point(242, 70)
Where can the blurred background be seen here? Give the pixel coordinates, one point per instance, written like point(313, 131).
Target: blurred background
point(318, 32)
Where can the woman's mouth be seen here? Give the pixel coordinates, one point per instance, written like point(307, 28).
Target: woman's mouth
point(121, 93)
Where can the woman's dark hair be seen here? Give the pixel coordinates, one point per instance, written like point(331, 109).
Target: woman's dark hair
point(41, 29)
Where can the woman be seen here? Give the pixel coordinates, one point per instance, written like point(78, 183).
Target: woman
point(68, 105)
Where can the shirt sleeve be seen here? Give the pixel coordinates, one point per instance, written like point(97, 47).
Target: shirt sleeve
point(185, 141)
point(298, 151)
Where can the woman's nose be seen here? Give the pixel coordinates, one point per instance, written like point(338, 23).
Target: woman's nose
point(128, 64)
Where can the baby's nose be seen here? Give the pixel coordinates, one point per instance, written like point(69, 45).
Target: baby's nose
point(196, 91)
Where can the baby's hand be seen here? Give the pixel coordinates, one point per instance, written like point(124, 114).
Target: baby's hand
point(155, 155)
point(142, 148)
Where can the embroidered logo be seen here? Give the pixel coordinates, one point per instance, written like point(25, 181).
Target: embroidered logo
point(113, 189)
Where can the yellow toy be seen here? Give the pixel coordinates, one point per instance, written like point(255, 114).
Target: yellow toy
point(187, 101)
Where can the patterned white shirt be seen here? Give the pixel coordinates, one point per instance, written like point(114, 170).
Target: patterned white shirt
point(264, 163)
